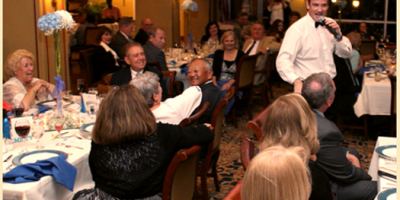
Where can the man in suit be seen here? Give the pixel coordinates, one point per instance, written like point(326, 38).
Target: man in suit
point(342, 165)
point(242, 21)
point(200, 74)
point(152, 48)
point(143, 34)
point(260, 43)
point(123, 36)
point(136, 60)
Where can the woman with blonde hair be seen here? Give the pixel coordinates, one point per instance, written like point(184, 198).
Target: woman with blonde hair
point(290, 122)
point(277, 173)
point(130, 152)
point(22, 89)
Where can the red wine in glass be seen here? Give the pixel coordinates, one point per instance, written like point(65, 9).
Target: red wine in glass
point(59, 127)
point(22, 131)
point(18, 111)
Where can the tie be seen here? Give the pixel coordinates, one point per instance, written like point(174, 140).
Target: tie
point(251, 47)
point(318, 24)
point(137, 74)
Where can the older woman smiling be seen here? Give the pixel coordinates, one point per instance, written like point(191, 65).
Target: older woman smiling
point(22, 89)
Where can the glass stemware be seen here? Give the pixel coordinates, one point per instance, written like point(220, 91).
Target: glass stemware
point(59, 122)
point(37, 132)
point(68, 96)
point(22, 128)
point(81, 85)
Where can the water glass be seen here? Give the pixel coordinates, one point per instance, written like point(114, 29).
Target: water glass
point(37, 132)
point(378, 74)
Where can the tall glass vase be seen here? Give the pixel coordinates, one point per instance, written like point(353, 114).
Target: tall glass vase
point(60, 85)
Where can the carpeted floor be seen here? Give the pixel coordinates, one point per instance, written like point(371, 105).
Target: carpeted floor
point(230, 168)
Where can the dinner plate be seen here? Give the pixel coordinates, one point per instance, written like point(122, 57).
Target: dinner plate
point(390, 194)
point(51, 103)
point(87, 128)
point(34, 156)
point(372, 75)
point(389, 151)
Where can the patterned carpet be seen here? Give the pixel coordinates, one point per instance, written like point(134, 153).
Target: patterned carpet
point(230, 168)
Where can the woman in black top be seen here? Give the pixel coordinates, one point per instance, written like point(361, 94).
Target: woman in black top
point(213, 33)
point(225, 63)
point(104, 59)
point(130, 152)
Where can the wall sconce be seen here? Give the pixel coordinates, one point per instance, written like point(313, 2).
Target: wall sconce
point(333, 1)
point(356, 3)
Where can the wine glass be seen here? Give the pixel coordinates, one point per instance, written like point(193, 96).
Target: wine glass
point(17, 110)
point(68, 96)
point(37, 132)
point(379, 52)
point(59, 122)
point(91, 108)
point(22, 128)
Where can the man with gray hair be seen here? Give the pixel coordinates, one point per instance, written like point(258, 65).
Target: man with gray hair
point(123, 36)
point(200, 73)
point(172, 110)
point(153, 47)
point(342, 165)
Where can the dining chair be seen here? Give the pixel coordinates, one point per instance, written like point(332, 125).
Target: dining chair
point(105, 83)
point(257, 122)
point(393, 113)
point(234, 194)
point(244, 83)
point(247, 152)
point(269, 66)
point(90, 36)
point(368, 47)
point(212, 155)
point(180, 179)
point(171, 76)
point(193, 119)
point(154, 64)
point(86, 56)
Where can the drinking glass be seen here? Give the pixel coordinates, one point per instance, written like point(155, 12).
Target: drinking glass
point(379, 52)
point(68, 96)
point(22, 128)
point(17, 110)
point(38, 132)
point(91, 108)
point(59, 122)
point(81, 85)
point(93, 90)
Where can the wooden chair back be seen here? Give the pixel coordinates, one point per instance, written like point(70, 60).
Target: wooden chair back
point(171, 76)
point(257, 122)
point(269, 66)
point(105, 83)
point(86, 55)
point(234, 194)
point(194, 119)
point(180, 180)
point(90, 36)
point(247, 152)
point(393, 106)
point(368, 47)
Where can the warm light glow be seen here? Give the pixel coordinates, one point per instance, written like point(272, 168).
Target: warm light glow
point(356, 3)
point(333, 1)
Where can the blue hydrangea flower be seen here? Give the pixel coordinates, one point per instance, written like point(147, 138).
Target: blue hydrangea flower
point(194, 6)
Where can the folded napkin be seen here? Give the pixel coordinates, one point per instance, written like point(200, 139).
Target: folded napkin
point(63, 172)
point(210, 56)
point(171, 62)
point(184, 70)
point(43, 109)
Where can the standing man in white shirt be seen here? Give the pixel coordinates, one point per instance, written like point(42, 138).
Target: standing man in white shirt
point(308, 46)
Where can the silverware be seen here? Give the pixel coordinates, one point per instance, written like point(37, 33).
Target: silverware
point(8, 158)
point(9, 167)
point(69, 146)
point(54, 136)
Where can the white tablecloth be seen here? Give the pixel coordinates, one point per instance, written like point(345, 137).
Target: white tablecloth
point(374, 98)
point(47, 187)
point(376, 161)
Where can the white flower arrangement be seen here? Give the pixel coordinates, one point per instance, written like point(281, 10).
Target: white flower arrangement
point(189, 5)
point(56, 21)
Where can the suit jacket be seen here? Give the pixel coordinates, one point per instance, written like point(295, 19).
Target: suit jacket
point(331, 156)
point(212, 95)
point(103, 63)
point(124, 76)
point(118, 43)
point(141, 37)
point(266, 41)
point(153, 53)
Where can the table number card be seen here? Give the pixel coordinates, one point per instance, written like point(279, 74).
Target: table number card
point(90, 100)
point(25, 124)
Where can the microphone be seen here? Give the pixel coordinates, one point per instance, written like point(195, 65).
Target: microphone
point(322, 20)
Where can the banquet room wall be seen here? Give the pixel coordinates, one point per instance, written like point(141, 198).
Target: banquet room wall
point(20, 32)
point(126, 7)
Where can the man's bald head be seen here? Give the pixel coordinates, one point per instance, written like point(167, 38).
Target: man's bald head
point(146, 25)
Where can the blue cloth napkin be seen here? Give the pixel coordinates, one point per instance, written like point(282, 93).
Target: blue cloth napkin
point(185, 70)
point(63, 172)
point(210, 56)
point(365, 69)
point(43, 109)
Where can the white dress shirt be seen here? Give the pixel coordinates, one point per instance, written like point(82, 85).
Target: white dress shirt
point(307, 50)
point(135, 73)
point(254, 49)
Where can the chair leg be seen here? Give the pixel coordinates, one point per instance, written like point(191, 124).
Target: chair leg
point(215, 176)
point(365, 125)
point(234, 115)
point(204, 187)
point(249, 102)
